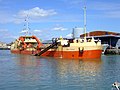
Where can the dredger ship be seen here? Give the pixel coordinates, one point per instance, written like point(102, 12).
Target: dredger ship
point(60, 47)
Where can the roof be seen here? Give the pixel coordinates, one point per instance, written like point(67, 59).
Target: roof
point(101, 33)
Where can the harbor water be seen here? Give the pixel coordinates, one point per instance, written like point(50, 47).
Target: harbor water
point(25, 72)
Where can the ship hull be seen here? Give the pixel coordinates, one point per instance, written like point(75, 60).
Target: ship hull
point(74, 54)
point(26, 52)
point(64, 54)
point(60, 48)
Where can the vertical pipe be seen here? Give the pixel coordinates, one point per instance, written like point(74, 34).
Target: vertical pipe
point(85, 22)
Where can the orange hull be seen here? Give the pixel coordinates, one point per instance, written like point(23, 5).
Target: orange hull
point(74, 54)
point(24, 52)
point(65, 54)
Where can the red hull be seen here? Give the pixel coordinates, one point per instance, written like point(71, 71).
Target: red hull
point(65, 54)
point(24, 52)
point(74, 54)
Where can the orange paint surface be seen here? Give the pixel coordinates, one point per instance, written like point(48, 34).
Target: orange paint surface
point(65, 54)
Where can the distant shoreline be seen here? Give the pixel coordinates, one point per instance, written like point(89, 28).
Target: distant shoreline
point(4, 48)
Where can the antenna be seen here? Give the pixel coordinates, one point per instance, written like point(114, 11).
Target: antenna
point(85, 21)
point(26, 25)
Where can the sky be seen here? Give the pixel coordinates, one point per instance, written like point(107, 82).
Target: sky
point(54, 18)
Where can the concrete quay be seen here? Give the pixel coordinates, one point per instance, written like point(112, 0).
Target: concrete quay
point(112, 51)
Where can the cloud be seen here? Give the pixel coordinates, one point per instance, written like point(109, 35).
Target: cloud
point(6, 35)
point(3, 30)
point(36, 12)
point(113, 14)
point(73, 2)
point(24, 31)
point(34, 15)
point(10, 36)
point(58, 27)
point(105, 9)
point(104, 6)
point(76, 2)
point(5, 17)
point(37, 31)
point(33, 32)
point(69, 35)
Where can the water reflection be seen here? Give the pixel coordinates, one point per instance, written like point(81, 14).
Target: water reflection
point(77, 71)
point(27, 60)
point(90, 67)
point(22, 72)
point(28, 69)
point(51, 71)
point(63, 67)
point(85, 66)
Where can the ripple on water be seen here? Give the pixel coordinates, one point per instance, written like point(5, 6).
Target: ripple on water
point(24, 72)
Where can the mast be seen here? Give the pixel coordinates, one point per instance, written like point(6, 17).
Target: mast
point(85, 22)
point(27, 25)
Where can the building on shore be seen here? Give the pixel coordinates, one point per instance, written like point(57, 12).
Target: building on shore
point(4, 46)
point(109, 40)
